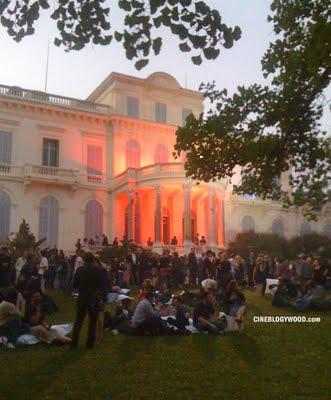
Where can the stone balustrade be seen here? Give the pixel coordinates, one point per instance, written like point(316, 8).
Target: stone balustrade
point(52, 99)
point(31, 172)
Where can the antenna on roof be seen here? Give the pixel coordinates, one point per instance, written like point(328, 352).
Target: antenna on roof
point(46, 72)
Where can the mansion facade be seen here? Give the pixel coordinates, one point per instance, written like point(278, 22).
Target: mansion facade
point(79, 168)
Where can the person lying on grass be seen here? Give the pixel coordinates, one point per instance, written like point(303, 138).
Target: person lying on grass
point(204, 318)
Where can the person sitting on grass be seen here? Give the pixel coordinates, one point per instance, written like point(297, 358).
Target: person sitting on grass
point(235, 302)
point(146, 319)
point(121, 321)
point(164, 295)
point(281, 297)
point(35, 317)
point(11, 323)
point(204, 316)
point(182, 315)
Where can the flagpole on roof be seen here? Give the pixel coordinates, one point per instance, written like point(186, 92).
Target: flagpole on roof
point(46, 71)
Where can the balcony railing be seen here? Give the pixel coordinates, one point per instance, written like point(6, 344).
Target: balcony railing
point(31, 172)
point(45, 173)
point(52, 99)
point(10, 170)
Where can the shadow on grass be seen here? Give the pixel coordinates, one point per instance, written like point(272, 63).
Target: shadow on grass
point(246, 347)
point(39, 379)
point(208, 345)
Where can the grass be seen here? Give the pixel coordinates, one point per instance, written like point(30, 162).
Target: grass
point(267, 361)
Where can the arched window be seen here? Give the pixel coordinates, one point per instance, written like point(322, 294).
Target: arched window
point(327, 229)
point(161, 154)
point(277, 227)
point(93, 219)
point(305, 228)
point(132, 154)
point(4, 216)
point(248, 224)
point(49, 221)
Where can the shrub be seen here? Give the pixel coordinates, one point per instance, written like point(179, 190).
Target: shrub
point(22, 241)
point(311, 244)
point(245, 242)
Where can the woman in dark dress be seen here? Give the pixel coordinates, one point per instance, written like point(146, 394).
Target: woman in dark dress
point(260, 275)
point(224, 274)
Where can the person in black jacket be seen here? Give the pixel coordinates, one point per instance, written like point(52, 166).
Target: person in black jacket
point(90, 282)
point(193, 266)
point(235, 302)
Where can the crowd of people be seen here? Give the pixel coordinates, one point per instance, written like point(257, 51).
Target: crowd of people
point(172, 290)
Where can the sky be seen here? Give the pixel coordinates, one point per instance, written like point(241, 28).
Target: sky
point(77, 74)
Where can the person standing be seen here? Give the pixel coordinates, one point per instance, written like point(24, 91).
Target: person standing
point(90, 282)
point(250, 265)
point(193, 266)
point(42, 268)
point(133, 262)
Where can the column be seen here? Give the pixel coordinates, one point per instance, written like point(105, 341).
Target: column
point(187, 215)
point(158, 215)
point(221, 241)
point(111, 223)
point(130, 215)
point(212, 217)
point(137, 218)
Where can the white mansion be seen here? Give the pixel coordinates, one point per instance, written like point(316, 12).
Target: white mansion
point(78, 168)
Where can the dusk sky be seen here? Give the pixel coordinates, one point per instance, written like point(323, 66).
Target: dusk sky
point(76, 74)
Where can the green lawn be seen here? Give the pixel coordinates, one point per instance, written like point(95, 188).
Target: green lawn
point(267, 361)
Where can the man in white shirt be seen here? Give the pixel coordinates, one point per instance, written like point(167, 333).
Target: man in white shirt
point(79, 260)
point(43, 266)
point(19, 264)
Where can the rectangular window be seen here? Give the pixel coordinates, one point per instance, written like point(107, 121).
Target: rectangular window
point(5, 147)
point(185, 113)
point(51, 152)
point(94, 160)
point(133, 107)
point(161, 113)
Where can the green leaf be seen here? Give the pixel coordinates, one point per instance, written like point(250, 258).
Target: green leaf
point(184, 47)
point(118, 36)
point(211, 53)
point(141, 64)
point(57, 42)
point(44, 4)
point(157, 44)
point(124, 5)
point(237, 33)
point(197, 60)
point(201, 8)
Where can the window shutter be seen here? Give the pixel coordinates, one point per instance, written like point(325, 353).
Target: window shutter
point(248, 224)
point(49, 221)
point(93, 219)
point(161, 154)
point(5, 147)
point(94, 160)
point(161, 113)
point(133, 107)
point(185, 113)
point(51, 152)
point(5, 208)
point(132, 154)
